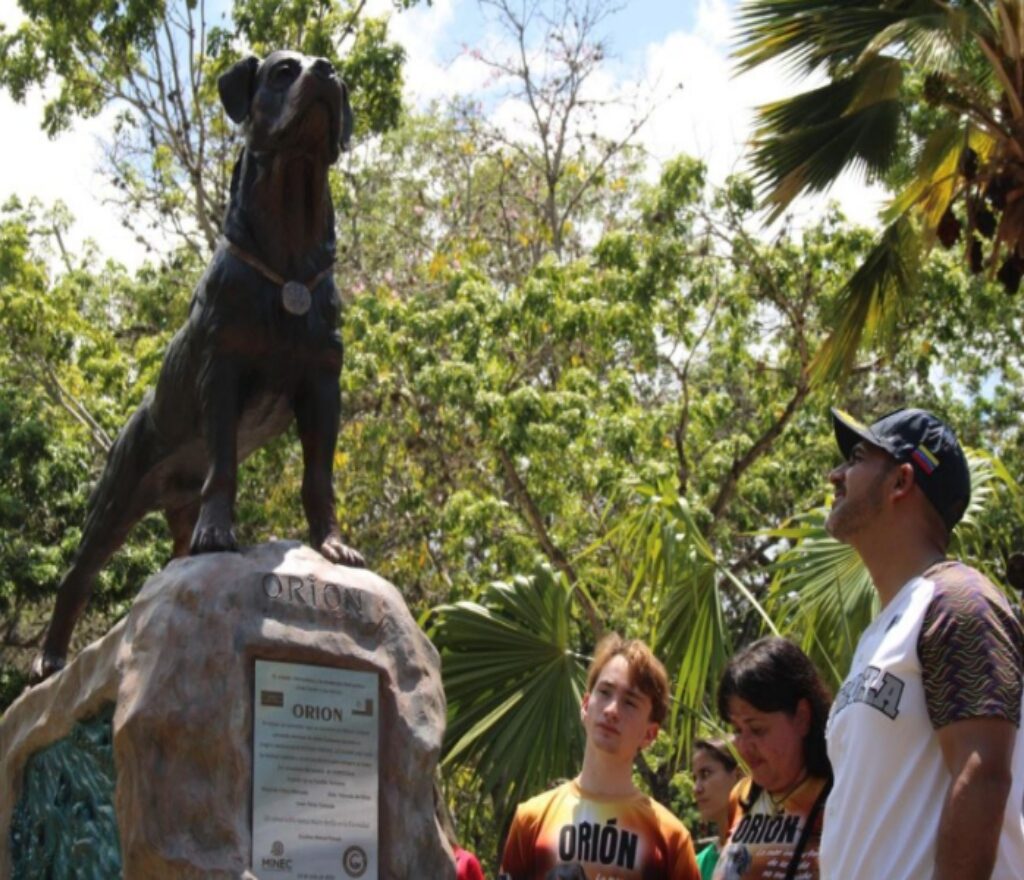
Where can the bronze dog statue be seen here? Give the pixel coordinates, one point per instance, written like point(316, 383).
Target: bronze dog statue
point(260, 346)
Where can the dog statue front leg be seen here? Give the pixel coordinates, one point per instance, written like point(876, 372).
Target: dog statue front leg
point(214, 531)
point(317, 413)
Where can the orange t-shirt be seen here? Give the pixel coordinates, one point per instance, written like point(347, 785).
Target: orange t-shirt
point(632, 838)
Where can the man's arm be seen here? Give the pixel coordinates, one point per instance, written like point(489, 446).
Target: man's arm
point(685, 863)
point(978, 753)
point(517, 855)
point(971, 649)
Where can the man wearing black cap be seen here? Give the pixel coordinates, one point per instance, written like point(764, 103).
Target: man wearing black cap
point(923, 735)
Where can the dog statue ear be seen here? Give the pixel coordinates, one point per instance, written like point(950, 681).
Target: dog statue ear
point(347, 120)
point(236, 86)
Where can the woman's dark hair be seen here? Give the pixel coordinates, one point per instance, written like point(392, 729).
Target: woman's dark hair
point(774, 675)
point(719, 750)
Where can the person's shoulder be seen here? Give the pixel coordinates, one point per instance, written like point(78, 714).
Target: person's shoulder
point(954, 579)
point(962, 595)
point(971, 648)
point(666, 818)
point(529, 819)
point(669, 825)
point(539, 803)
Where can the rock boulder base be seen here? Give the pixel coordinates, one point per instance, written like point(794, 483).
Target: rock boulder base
point(180, 668)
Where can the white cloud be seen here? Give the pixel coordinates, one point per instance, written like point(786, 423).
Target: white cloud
point(706, 110)
point(34, 166)
point(436, 66)
point(714, 22)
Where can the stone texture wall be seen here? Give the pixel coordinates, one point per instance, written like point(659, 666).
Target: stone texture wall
point(180, 669)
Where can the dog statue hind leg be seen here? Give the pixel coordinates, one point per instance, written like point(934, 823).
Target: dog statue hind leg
point(118, 501)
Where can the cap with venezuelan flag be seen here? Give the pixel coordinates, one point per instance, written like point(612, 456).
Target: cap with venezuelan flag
point(924, 440)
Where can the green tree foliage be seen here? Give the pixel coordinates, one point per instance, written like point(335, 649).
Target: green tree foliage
point(82, 347)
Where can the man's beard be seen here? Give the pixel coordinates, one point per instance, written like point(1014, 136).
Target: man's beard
point(852, 515)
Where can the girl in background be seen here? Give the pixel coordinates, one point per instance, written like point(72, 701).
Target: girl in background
point(715, 772)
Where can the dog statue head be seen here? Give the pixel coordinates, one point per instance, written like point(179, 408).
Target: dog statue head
point(286, 102)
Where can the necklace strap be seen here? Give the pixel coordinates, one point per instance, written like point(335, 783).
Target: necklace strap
point(777, 802)
point(266, 271)
point(805, 834)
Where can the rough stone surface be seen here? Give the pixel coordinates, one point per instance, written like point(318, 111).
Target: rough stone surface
point(180, 668)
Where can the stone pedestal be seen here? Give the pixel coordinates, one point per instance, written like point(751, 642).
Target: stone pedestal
point(179, 670)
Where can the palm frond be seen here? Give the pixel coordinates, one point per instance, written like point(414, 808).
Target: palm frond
point(696, 644)
point(871, 300)
point(991, 484)
point(803, 143)
point(821, 593)
point(682, 603)
point(513, 684)
point(808, 34)
point(969, 55)
point(935, 173)
point(933, 40)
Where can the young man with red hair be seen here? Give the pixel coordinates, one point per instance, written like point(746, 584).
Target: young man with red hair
point(600, 821)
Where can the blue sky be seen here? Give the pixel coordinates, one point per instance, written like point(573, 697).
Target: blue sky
point(629, 31)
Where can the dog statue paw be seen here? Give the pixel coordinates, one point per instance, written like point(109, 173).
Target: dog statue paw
point(212, 539)
point(334, 549)
point(43, 666)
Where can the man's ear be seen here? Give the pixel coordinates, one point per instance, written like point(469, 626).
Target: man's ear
point(347, 120)
point(651, 734)
point(904, 482)
point(236, 87)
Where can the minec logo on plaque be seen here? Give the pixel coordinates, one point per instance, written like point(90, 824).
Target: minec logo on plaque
point(354, 862)
point(271, 698)
point(276, 860)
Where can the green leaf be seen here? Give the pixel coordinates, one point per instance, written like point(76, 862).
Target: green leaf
point(804, 143)
point(871, 300)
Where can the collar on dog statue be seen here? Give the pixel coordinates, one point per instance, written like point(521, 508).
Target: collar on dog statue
point(296, 297)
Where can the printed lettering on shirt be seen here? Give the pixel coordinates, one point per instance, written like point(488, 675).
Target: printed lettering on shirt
point(605, 844)
point(880, 690)
point(758, 828)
